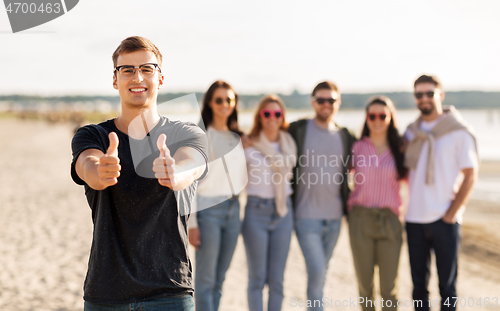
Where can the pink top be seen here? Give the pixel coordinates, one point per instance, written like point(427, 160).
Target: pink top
point(376, 183)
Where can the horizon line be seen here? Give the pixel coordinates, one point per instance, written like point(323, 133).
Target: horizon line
point(241, 93)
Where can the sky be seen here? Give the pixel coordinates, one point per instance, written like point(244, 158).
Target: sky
point(261, 46)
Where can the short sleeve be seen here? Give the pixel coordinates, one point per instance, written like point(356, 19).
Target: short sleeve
point(467, 153)
point(193, 136)
point(86, 137)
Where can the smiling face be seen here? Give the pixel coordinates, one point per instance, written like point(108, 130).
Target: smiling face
point(271, 124)
point(326, 110)
point(429, 106)
point(377, 112)
point(137, 91)
point(219, 104)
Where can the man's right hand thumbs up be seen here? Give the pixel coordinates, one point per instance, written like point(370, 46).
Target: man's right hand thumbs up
point(109, 163)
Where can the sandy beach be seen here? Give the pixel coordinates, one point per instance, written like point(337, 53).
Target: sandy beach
point(46, 232)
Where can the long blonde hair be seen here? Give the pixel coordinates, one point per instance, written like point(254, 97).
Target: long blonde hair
point(257, 120)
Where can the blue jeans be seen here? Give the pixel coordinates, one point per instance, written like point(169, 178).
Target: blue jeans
point(181, 303)
point(267, 242)
point(444, 239)
point(317, 239)
point(219, 229)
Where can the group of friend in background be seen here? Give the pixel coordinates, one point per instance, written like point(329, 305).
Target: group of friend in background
point(437, 157)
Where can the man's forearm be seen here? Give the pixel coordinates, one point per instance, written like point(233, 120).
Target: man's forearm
point(190, 171)
point(190, 166)
point(463, 193)
point(90, 172)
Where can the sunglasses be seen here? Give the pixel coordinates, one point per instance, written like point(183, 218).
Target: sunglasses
point(220, 100)
point(429, 94)
point(373, 116)
point(321, 100)
point(268, 113)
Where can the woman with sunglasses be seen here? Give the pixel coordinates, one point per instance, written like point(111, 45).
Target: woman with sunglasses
point(214, 229)
point(267, 227)
point(375, 228)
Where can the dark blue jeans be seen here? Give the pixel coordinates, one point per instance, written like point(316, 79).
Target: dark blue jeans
point(444, 239)
point(181, 303)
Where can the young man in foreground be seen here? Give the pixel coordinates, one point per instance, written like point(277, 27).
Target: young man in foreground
point(139, 191)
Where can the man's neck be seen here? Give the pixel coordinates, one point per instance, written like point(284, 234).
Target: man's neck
point(433, 116)
point(326, 124)
point(135, 122)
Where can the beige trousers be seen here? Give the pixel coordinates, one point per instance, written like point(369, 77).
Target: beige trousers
point(376, 237)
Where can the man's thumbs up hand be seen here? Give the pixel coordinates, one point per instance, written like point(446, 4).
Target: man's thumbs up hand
point(109, 164)
point(162, 146)
point(164, 166)
point(113, 145)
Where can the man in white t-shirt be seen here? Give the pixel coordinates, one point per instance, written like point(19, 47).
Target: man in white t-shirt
point(443, 162)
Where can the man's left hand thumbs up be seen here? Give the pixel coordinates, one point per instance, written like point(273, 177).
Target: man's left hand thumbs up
point(164, 166)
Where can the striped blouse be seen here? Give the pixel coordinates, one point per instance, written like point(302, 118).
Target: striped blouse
point(376, 183)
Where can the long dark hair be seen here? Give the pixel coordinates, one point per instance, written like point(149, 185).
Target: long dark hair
point(207, 114)
point(396, 142)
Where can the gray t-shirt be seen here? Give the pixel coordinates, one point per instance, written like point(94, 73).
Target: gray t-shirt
point(320, 179)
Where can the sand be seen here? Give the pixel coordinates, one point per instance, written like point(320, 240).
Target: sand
point(46, 232)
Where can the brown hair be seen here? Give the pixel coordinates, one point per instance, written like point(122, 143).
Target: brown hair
point(396, 142)
point(325, 85)
point(257, 124)
point(136, 43)
point(207, 115)
point(428, 79)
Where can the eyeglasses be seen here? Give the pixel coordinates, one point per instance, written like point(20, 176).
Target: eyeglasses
point(268, 113)
point(147, 70)
point(429, 94)
point(220, 100)
point(321, 100)
point(373, 116)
